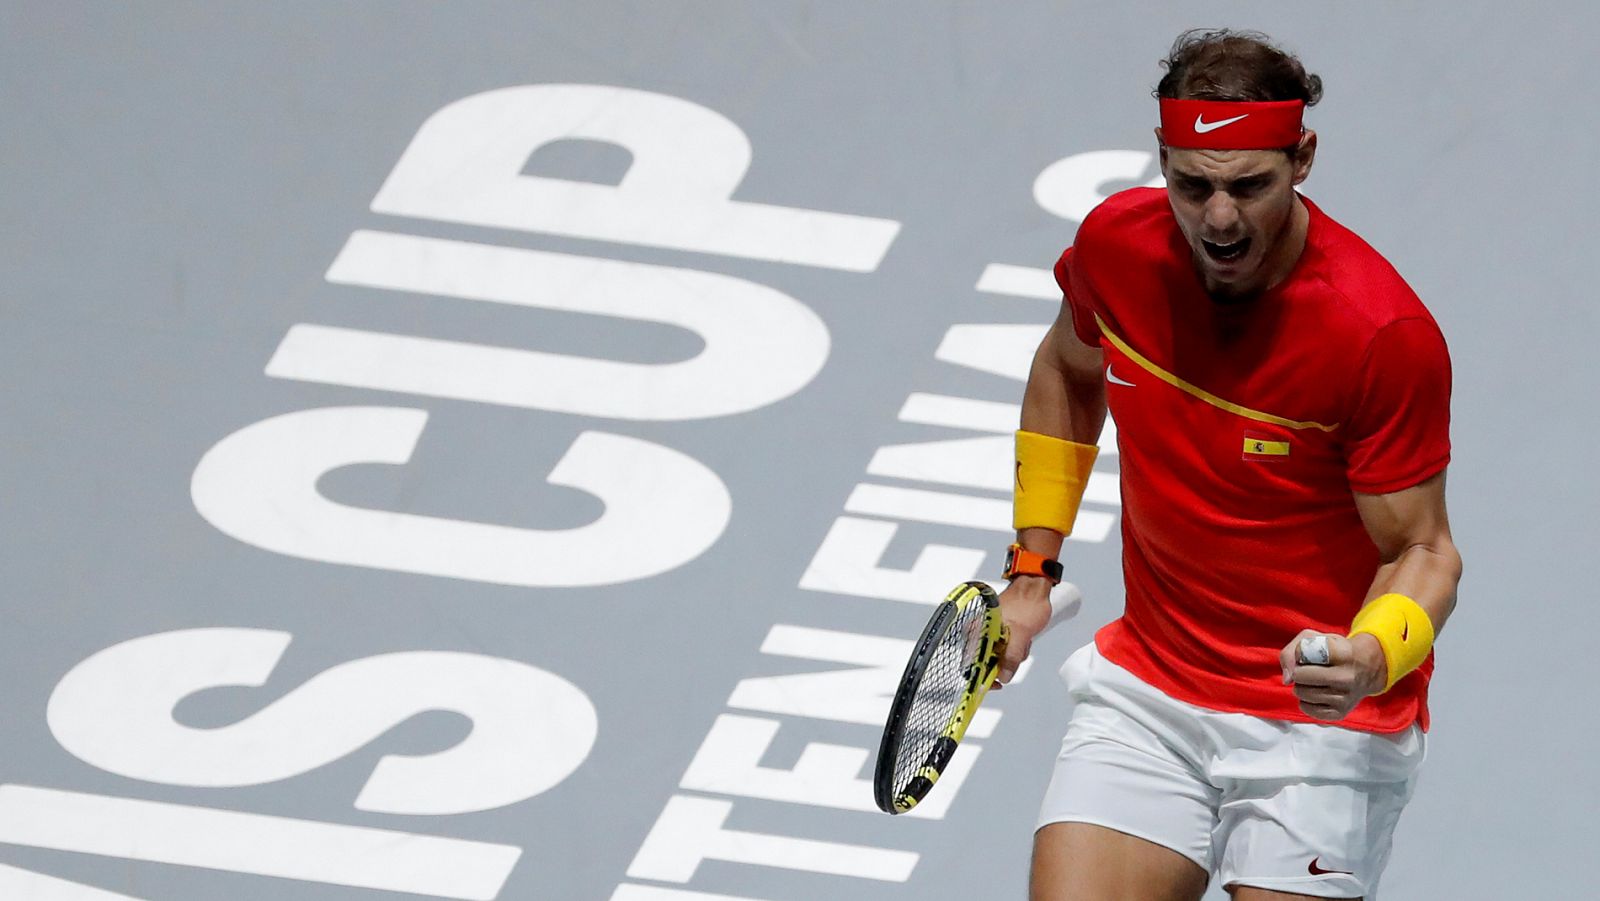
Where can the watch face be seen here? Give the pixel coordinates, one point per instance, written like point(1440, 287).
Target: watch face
point(1011, 561)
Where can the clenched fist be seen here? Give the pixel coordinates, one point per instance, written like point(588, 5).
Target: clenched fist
point(1355, 669)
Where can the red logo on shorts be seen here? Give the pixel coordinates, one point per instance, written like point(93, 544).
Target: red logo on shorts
point(1318, 871)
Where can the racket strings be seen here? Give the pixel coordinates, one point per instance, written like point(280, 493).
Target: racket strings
point(943, 684)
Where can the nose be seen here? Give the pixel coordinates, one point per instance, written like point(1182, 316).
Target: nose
point(1221, 214)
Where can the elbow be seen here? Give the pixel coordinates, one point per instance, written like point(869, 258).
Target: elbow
point(1451, 566)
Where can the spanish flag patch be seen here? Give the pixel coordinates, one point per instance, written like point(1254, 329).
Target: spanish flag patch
point(1257, 448)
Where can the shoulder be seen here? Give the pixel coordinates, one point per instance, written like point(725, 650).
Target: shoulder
point(1128, 229)
point(1360, 282)
point(1128, 218)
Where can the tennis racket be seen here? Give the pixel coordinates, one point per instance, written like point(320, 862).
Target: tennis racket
point(952, 666)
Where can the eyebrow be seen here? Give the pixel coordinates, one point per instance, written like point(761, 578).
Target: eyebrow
point(1248, 179)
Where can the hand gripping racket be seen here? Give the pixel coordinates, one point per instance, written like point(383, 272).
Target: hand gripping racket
point(952, 666)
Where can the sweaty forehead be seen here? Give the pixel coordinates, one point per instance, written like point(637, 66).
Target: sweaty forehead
point(1225, 165)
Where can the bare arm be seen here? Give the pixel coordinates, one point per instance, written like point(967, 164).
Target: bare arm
point(1066, 393)
point(1417, 559)
point(1065, 398)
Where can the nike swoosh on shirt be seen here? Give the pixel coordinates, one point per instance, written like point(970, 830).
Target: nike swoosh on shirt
point(1112, 378)
point(1201, 126)
point(1319, 871)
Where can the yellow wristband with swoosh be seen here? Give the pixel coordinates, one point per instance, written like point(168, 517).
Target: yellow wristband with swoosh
point(1402, 627)
point(1051, 476)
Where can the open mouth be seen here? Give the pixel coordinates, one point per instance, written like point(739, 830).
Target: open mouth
point(1226, 253)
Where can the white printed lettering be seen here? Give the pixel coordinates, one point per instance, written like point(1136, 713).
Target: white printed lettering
point(27, 885)
point(760, 344)
point(973, 463)
point(996, 349)
point(1019, 281)
point(259, 486)
point(690, 830)
point(847, 563)
point(465, 165)
point(847, 696)
point(729, 763)
point(261, 845)
point(961, 413)
point(1071, 187)
point(940, 508)
point(530, 728)
point(981, 416)
point(627, 891)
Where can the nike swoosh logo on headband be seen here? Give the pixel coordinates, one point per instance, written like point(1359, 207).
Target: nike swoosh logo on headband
point(1201, 126)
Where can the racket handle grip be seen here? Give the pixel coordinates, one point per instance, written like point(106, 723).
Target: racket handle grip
point(1066, 599)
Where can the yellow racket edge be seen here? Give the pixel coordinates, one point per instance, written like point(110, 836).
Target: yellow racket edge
point(979, 676)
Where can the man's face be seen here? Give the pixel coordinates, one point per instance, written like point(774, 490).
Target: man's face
point(1237, 210)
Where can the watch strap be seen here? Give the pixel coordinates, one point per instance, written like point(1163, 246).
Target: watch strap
point(1022, 562)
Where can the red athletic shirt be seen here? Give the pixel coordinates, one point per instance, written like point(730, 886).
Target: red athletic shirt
point(1243, 431)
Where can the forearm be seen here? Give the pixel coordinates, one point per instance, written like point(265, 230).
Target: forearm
point(1064, 398)
point(1428, 573)
point(1416, 578)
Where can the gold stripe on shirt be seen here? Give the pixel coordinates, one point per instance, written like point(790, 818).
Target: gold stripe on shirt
point(1201, 393)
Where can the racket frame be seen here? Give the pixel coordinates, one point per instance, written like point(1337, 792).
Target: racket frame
point(978, 677)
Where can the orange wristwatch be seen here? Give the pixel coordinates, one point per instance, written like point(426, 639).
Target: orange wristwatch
point(1022, 562)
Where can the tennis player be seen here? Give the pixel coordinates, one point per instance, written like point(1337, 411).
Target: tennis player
point(1282, 402)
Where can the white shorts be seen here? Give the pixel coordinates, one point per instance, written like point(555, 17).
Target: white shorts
point(1293, 807)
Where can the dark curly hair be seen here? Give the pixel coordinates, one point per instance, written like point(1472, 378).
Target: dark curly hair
point(1224, 64)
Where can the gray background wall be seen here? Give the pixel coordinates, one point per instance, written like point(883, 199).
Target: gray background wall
point(179, 177)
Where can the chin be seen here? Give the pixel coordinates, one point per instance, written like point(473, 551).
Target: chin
point(1231, 286)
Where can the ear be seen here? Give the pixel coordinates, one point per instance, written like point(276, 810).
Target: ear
point(1161, 147)
point(1305, 153)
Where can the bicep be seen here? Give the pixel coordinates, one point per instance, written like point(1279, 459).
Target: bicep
point(1065, 394)
point(1410, 517)
point(1077, 361)
point(1071, 346)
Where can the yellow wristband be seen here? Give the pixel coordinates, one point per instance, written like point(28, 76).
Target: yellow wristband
point(1051, 475)
point(1402, 627)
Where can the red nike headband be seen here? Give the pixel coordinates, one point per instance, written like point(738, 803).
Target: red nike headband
point(1231, 125)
